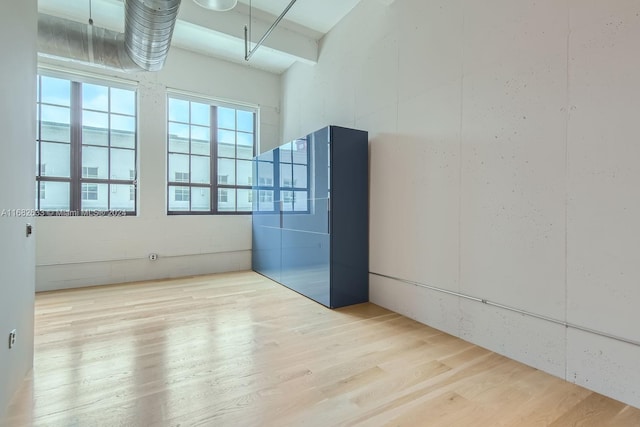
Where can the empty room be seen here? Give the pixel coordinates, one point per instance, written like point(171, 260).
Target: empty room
point(331, 213)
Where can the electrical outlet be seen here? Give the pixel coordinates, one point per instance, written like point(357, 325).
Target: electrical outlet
point(12, 339)
point(153, 257)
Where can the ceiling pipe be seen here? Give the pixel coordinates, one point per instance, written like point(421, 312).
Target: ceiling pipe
point(248, 53)
point(143, 46)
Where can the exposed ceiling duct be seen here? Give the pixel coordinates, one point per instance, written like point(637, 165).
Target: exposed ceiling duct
point(143, 46)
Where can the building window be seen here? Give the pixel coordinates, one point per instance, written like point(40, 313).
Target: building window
point(209, 140)
point(181, 194)
point(89, 191)
point(182, 177)
point(89, 172)
point(86, 136)
point(133, 188)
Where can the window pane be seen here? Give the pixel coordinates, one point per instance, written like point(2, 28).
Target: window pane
point(179, 198)
point(245, 146)
point(95, 196)
point(200, 170)
point(95, 97)
point(121, 197)
point(56, 91)
point(265, 201)
point(178, 164)
point(245, 121)
point(178, 138)
point(123, 131)
point(286, 177)
point(299, 176)
point(245, 172)
point(57, 158)
point(95, 162)
point(226, 137)
point(200, 199)
point(200, 140)
point(226, 118)
point(286, 151)
point(200, 114)
point(55, 123)
point(226, 199)
point(123, 101)
point(300, 201)
point(265, 174)
point(95, 128)
point(245, 200)
point(178, 110)
point(57, 196)
point(227, 168)
point(267, 156)
point(122, 163)
point(287, 200)
point(299, 152)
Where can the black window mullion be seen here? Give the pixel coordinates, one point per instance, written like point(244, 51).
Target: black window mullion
point(76, 147)
point(109, 150)
point(255, 132)
point(39, 141)
point(276, 179)
point(213, 136)
point(189, 166)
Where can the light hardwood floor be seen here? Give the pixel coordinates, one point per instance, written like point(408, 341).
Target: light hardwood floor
point(239, 350)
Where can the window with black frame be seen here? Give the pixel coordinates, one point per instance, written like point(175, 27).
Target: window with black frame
point(294, 176)
point(86, 147)
point(210, 152)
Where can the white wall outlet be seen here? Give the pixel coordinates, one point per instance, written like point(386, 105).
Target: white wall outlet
point(153, 257)
point(12, 339)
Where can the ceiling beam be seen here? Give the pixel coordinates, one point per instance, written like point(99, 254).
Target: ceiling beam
point(231, 23)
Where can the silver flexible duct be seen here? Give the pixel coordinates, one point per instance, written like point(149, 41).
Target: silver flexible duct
point(143, 46)
point(148, 27)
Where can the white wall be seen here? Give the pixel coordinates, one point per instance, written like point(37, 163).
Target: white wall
point(75, 252)
point(17, 252)
point(504, 166)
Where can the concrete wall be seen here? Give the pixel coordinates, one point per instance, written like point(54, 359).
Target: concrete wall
point(17, 169)
point(503, 139)
point(75, 251)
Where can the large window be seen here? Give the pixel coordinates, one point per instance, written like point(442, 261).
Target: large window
point(210, 148)
point(86, 147)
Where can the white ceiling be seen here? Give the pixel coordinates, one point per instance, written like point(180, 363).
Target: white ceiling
point(221, 34)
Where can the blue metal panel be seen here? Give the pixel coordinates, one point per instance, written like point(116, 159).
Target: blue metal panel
point(305, 264)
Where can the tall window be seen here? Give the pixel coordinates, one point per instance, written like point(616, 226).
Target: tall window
point(206, 140)
point(86, 137)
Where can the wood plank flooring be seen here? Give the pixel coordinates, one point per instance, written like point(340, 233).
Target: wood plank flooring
point(239, 350)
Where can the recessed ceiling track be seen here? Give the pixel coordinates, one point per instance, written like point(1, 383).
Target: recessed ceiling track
point(248, 53)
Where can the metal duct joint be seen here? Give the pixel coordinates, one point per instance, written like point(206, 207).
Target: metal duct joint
point(143, 46)
point(148, 28)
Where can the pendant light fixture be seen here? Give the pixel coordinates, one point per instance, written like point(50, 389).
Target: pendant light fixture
point(217, 5)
